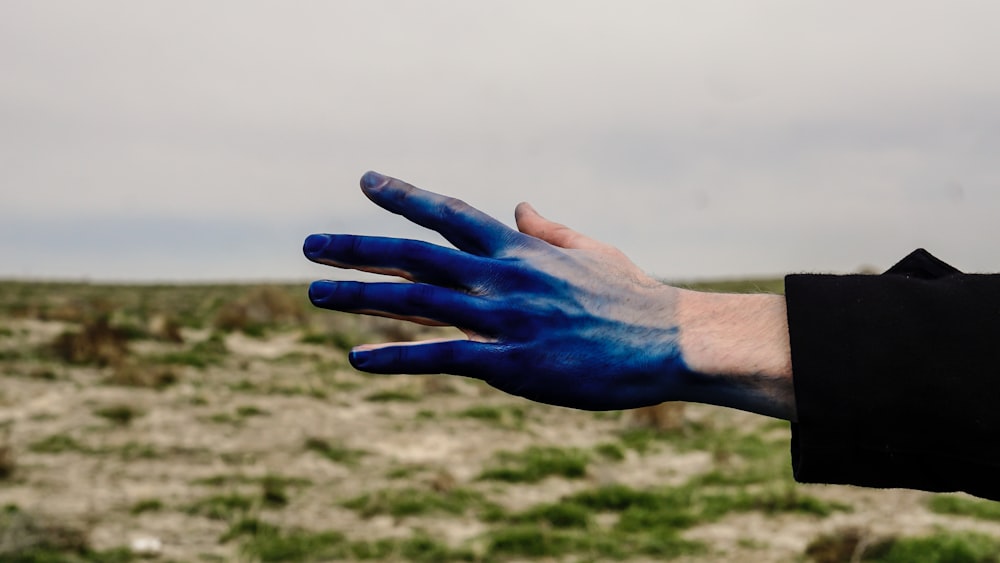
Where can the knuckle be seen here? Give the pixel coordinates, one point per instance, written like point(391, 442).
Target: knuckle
point(451, 208)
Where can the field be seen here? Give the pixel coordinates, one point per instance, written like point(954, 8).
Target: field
point(223, 423)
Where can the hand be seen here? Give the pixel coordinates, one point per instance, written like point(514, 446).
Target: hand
point(550, 314)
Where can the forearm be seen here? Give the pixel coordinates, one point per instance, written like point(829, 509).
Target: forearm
point(738, 348)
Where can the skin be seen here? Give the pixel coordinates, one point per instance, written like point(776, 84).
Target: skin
point(552, 315)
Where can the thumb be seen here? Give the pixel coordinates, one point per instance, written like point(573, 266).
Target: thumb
point(531, 223)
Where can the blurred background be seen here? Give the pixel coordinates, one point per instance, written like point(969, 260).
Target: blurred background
point(720, 144)
point(193, 141)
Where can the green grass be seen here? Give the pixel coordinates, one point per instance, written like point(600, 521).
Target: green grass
point(335, 452)
point(27, 538)
point(504, 416)
point(146, 505)
point(339, 339)
point(209, 352)
point(942, 547)
point(240, 479)
point(266, 543)
point(648, 522)
point(121, 415)
point(401, 503)
point(392, 395)
point(961, 506)
point(57, 444)
point(609, 451)
point(134, 450)
point(536, 463)
point(223, 507)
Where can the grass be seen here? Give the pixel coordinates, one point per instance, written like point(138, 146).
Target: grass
point(401, 503)
point(120, 415)
point(537, 463)
point(209, 352)
point(962, 506)
point(647, 523)
point(941, 547)
point(240, 479)
point(392, 395)
point(265, 542)
point(748, 471)
point(609, 451)
point(28, 538)
point(57, 444)
point(223, 507)
point(146, 505)
point(335, 452)
point(507, 416)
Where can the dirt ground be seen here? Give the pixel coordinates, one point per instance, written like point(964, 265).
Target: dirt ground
point(136, 463)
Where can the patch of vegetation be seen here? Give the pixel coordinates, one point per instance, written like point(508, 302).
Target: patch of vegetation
point(8, 461)
point(271, 544)
point(240, 479)
point(851, 544)
point(339, 339)
point(555, 515)
point(649, 522)
point(258, 310)
point(962, 506)
point(209, 352)
point(146, 505)
point(537, 463)
point(401, 503)
point(404, 471)
point(266, 542)
point(334, 452)
point(134, 450)
point(609, 451)
point(223, 507)
point(121, 415)
point(531, 541)
point(508, 416)
point(681, 507)
point(943, 547)
point(392, 395)
point(250, 410)
point(57, 444)
point(96, 343)
point(132, 374)
point(25, 538)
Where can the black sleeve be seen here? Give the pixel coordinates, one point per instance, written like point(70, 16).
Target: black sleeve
point(897, 378)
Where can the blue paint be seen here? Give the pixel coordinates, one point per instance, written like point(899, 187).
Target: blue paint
point(570, 327)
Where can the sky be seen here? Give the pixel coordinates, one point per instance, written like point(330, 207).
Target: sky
point(197, 141)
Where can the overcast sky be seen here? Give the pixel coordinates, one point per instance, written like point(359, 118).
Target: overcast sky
point(204, 140)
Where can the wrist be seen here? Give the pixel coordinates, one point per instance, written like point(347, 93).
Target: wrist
point(737, 348)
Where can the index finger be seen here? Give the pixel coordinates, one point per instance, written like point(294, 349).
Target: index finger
point(461, 224)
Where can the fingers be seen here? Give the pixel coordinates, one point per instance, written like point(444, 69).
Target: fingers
point(417, 302)
point(531, 223)
point(464, 226)
point(457, 357)
point(410, 259)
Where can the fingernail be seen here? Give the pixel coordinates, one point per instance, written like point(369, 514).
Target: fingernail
point(373, 180)
point(358, 358)
point(320, 290)
point(315, 244)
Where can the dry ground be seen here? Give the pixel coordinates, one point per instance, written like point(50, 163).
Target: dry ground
point(198, 428)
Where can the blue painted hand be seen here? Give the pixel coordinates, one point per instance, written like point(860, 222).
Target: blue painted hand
point(550, 314)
